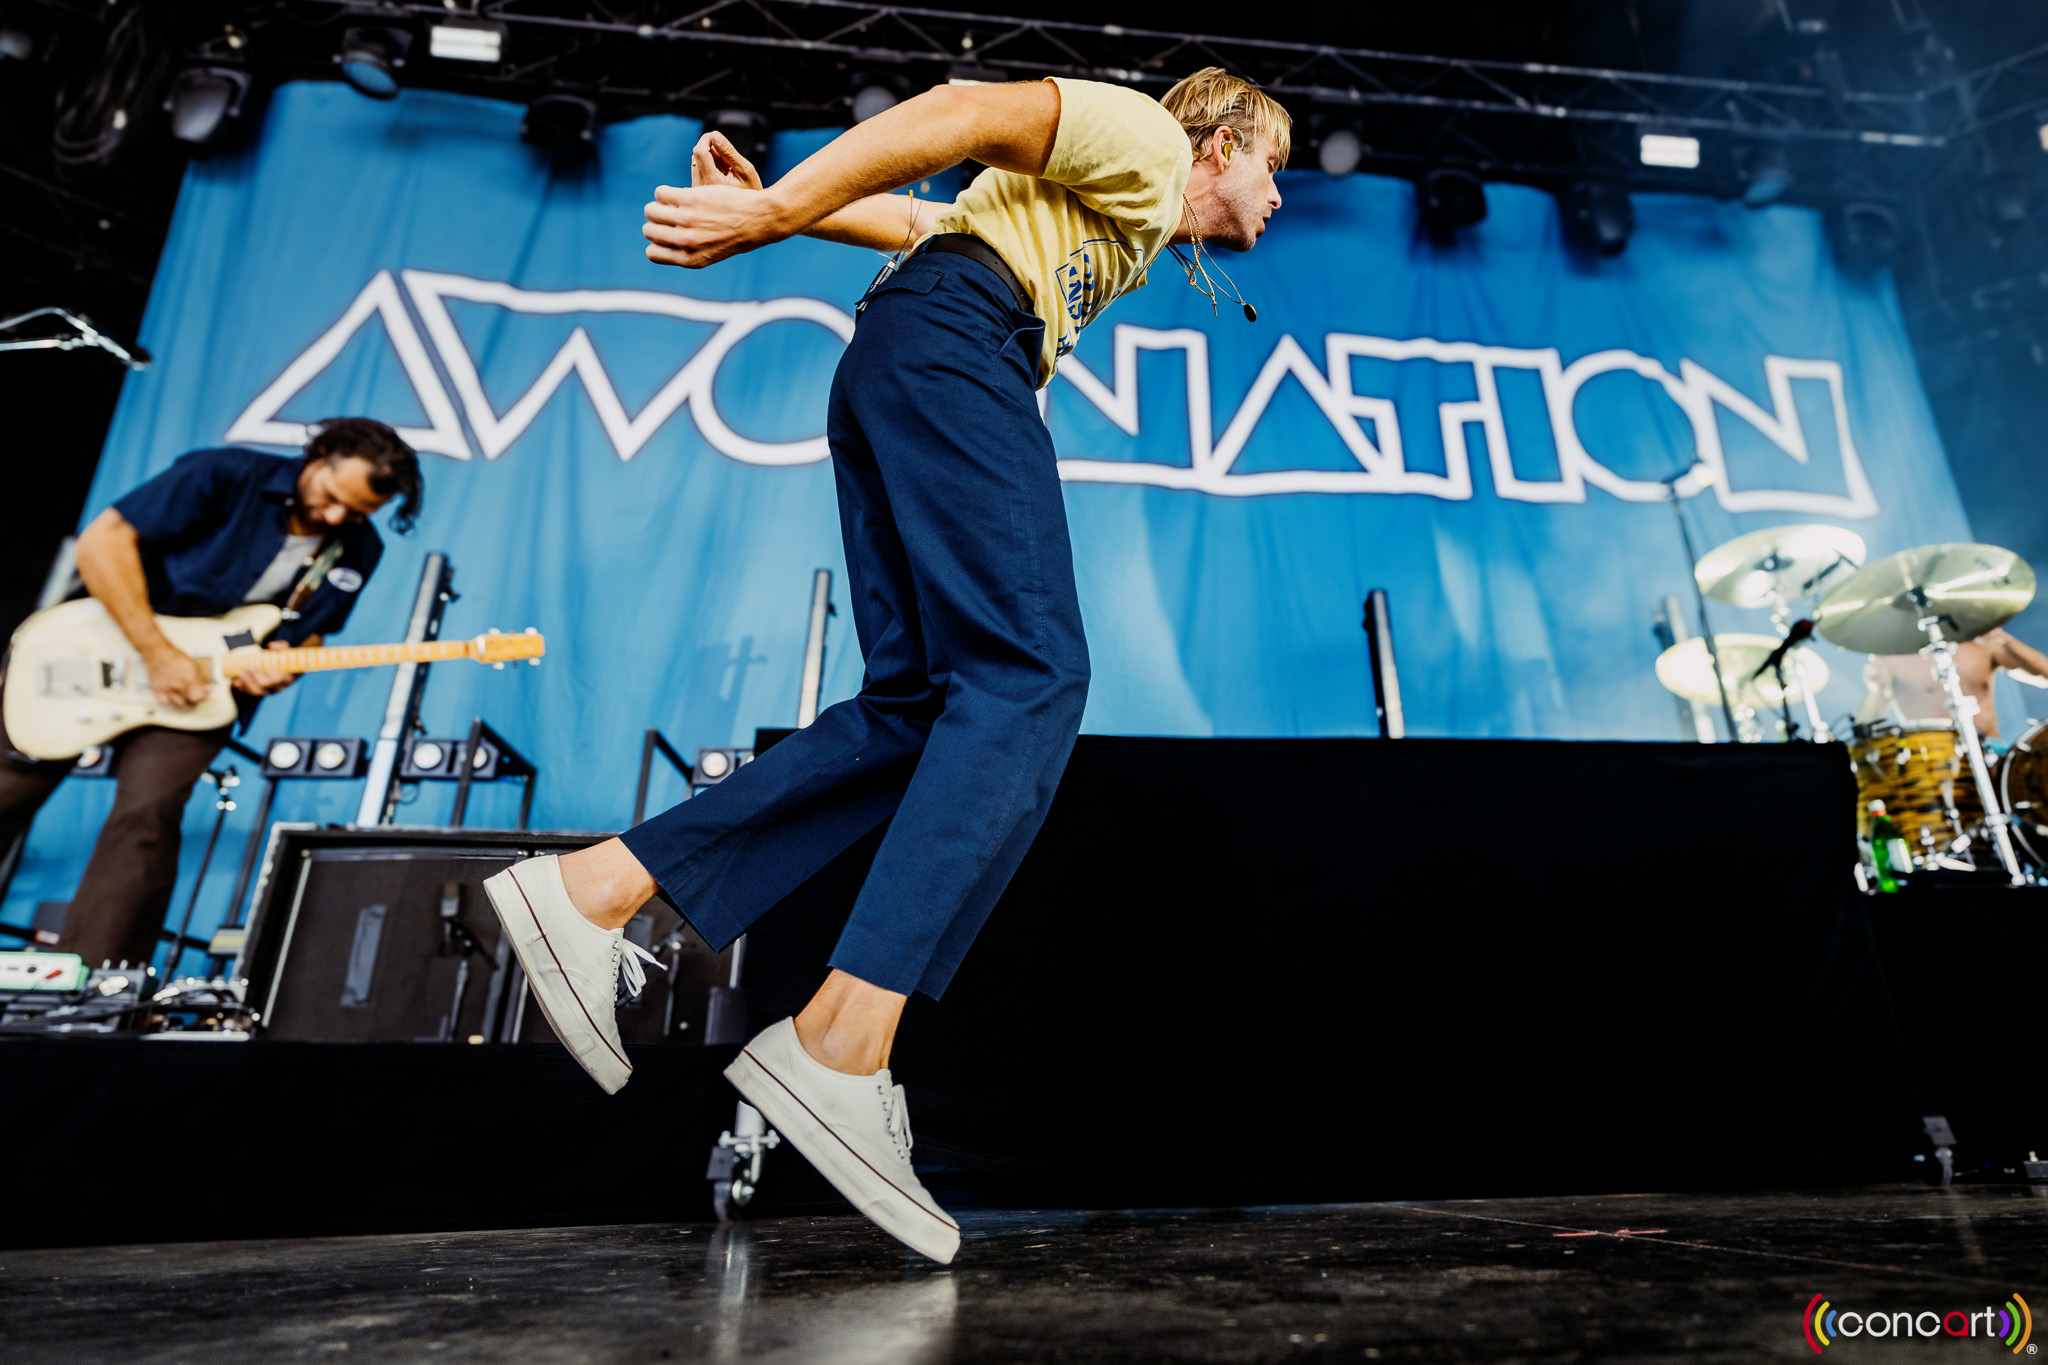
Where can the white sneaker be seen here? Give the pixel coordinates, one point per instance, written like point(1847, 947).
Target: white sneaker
point(854, 1129)
point(574, 967)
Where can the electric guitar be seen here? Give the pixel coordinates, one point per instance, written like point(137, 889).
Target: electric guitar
point(74, 681)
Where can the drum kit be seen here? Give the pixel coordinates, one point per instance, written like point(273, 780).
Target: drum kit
point(1938, 785)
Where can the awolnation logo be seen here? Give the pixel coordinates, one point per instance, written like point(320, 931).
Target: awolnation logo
point(2008, 1328)
point(1366, 424)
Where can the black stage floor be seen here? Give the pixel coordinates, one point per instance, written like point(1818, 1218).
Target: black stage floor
point(1624, 1277)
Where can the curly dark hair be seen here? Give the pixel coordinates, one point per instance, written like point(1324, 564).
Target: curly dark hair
point(394, 466)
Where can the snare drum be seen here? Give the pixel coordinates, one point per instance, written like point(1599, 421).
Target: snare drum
point(2023, 791)
point(1922, 774)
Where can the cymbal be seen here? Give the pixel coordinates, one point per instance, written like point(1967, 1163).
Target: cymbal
point(1781, 563)
point(1972, 588)
point(1685, 669)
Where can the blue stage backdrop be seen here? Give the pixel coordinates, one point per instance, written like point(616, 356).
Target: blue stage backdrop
point(631, 458)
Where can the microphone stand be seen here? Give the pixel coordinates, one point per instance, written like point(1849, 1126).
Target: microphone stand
point(1692, 560)
point(88, 335)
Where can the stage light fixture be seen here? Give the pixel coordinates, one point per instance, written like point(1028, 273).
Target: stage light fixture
point(1598, 216)
point(370, 57)
point(466, 42)
point(1667, 149)
point(1339, 152)
point(716, 764)
point(1451, 200)
point(16, 45)
point(1766, 175)
point(203, 100)
point(2003, 199)
point(1866, 236)
point(440, 760)
point(296, 756)
point(560, 123)
point(872, 98)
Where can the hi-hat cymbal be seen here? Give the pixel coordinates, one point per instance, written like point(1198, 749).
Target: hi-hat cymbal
point(1781, 564)
point(1971, 588)
point(1685, 669)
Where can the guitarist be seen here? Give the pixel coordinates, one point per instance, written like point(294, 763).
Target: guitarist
point(218, 529)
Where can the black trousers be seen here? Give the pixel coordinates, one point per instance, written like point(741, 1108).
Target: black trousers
point(120, 903)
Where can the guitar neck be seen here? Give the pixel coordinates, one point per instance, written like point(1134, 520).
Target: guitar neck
point(328, 657)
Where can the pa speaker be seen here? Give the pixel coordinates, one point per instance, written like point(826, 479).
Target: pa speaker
point(385, 934)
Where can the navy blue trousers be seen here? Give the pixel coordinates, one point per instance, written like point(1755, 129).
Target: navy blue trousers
point(962, 587)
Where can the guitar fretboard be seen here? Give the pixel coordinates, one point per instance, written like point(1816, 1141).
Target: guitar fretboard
point(328, 657)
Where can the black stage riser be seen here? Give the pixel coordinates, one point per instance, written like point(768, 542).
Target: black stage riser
point(1228, 971)
point(1333, 969)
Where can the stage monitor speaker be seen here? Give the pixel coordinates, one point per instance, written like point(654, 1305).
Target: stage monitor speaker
point(385, 934)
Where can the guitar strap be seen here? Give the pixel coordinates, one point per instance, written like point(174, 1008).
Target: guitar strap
point(329, 555)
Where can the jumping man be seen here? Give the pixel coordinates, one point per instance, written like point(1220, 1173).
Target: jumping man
point(959, 568)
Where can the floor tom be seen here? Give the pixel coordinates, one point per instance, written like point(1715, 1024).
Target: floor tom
point(2023, 791)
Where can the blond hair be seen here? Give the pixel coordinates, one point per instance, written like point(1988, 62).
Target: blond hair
point(1212, 98)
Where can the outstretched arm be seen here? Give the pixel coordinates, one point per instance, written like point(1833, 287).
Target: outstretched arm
point(1008, 126)
point(2024, 662)
point(883, 222)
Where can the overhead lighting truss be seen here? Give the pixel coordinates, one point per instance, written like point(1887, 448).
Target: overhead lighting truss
point(871, 34)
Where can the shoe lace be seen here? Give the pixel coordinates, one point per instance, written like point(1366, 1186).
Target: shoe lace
point(896, 1114)
point(626, 959)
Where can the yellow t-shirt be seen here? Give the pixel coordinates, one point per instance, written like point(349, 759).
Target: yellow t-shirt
point(1080, 237)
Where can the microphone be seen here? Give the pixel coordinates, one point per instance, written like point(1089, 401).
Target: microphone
point(1801, 630)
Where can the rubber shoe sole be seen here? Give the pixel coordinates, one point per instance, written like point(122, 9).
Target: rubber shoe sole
point(568, 1017)
point(871, 1192)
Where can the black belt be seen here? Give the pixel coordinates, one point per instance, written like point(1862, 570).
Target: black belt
point(974, 249)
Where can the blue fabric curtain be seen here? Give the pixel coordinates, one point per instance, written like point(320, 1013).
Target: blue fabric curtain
point(631, 459)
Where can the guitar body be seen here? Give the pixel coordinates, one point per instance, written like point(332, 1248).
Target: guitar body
point(74, 681)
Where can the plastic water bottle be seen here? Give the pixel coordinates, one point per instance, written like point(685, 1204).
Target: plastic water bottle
point(1887, 850)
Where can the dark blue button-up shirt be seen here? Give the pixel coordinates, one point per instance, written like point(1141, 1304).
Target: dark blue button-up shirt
point(212, 523)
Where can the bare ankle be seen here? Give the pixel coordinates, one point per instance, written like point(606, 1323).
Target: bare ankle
point(603, 886)
point(836, 1049)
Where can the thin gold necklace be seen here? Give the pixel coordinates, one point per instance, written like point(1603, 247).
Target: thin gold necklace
point(1199, 267)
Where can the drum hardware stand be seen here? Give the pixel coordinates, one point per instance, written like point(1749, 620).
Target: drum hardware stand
point(1941, 652)
point(1700, 598)
point(750, 1138)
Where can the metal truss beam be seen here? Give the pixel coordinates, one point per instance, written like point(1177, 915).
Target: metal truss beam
point(809, 38)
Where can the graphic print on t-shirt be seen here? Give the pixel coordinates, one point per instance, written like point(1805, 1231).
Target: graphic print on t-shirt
point(1079, 291)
